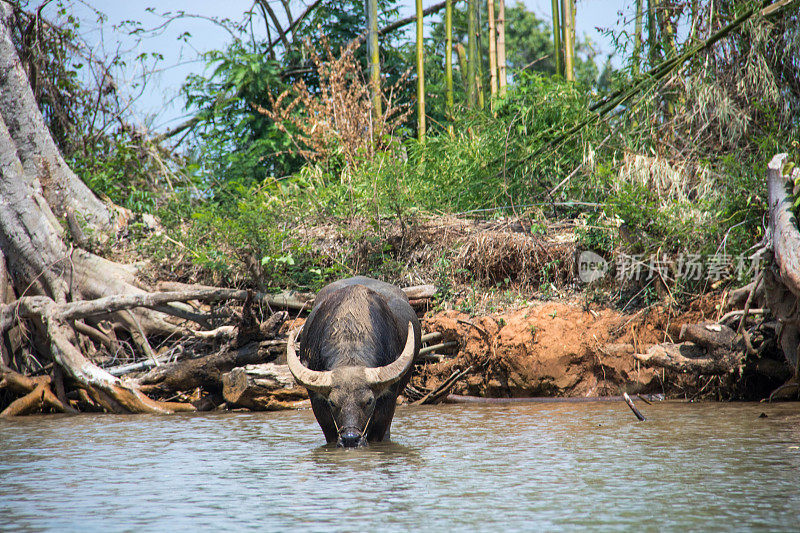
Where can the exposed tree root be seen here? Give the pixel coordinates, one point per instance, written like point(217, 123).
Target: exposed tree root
point(110, 392)
point(37, 394)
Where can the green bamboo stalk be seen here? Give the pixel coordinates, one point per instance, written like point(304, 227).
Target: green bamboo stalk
point(373, 52)
point(667, 29)
point(420, 76)
point(557, 38)
point(462, 65)
point(652, 31)
point(448, 63)
point(501, 48)
point(479, 56)
point(637, 39)
point(569, 39)
point(667, 32)
point(472, 55)
point(656, 73)
point(492, 50)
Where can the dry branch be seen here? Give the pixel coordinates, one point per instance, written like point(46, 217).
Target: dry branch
point(441, 346)
point(710, 349)
point(440, 392)
point(207, 371)
point(636, 411)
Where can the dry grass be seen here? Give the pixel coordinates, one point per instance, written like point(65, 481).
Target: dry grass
point(338, 118)
point(494, 257)
point(672, 181)
point(486, 253)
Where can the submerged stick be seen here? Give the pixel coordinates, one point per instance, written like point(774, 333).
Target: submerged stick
point(638, 414)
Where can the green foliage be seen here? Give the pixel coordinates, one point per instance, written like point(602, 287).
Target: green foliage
point(233, 141)
point(542, 149)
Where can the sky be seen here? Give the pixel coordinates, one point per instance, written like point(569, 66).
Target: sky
point(161, 105)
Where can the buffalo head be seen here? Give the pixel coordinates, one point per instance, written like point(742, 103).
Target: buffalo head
point(351, 391)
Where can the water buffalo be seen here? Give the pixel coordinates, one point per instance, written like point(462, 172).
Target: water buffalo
point(356, 351)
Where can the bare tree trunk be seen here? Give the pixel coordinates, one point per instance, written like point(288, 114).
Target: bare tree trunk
point(36, 150)
point(782, 282)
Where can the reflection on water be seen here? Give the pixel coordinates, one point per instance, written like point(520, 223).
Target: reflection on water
point(517, 466)
point(377, 456)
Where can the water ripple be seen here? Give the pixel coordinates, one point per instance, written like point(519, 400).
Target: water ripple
point(553, 467)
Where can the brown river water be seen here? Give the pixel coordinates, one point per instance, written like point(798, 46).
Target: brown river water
point(515, 467)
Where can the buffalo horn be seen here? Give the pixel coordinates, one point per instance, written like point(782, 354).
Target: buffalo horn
point(319, 381)
point(385, 376)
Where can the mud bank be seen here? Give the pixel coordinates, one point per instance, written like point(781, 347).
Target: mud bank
point(564, 349)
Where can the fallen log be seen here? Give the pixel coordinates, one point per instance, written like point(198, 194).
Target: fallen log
point(263, 387)
point(207, 371)
point(711, 349)
point(457, 398)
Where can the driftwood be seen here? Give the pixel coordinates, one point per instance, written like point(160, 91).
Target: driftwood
point(264, 387)
point(711, 349)
point(207, 371)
